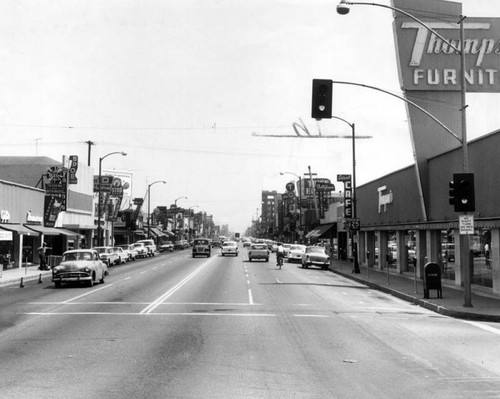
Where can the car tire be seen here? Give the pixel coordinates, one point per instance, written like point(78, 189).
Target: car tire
point(249, 259)
point(57, 284)
point(91, 281)
point(101, 281)
point(267, 259)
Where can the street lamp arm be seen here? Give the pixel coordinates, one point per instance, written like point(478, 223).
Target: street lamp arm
point(406, 14)
point(343, 120)
point(111, 153)
point(406, 101)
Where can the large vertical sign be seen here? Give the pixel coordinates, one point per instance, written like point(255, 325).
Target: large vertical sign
point(73, 167)
point(429, 72)
point(346, 179)
point(56, 193)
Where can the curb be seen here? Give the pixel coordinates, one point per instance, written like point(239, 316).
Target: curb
point(17, 280)
point(423, 303)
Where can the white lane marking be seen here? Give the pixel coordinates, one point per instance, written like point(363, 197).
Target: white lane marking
point(88, 293)
point(250, 297)
point(152, 306)
point(483, 326)
point(217, 314)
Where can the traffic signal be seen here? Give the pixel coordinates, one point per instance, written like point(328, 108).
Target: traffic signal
point(462, 192)
point(322, 98)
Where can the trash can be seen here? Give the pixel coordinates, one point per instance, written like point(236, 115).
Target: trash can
point(432, 279)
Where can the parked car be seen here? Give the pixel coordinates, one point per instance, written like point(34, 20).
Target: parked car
point(315, 256)
point(201, 246)
point(141, 249)
point(229, 248)
point(258, 251)
point(130, 250)
point(295, 253)
point(167, 246)
point(181, 244)
point(287, 247)
point(121, 254)
point(150, 245)
point(107, 255)
point(80, 266)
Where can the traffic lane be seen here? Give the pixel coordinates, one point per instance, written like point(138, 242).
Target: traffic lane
point(419, 335)
point(224, 282)
point(128, 288)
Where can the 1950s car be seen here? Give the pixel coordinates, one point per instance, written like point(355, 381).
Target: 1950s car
point(80, 266)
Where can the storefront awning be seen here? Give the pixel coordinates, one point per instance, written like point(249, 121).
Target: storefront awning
point(19, 229)
point(52, 231)
point(157, 232)
point(69, 233)
point(324, 231)
point(46, 231)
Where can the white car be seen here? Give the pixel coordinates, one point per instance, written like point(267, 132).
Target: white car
point(129, 251)
point(107, 255)
point(295, 253)
point(150, 245)
point(80, 266)
point(141, 249)
point(229, 248)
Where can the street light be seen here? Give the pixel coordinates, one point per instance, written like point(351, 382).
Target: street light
point(353, 188)
point(300, 195)
point(99, 228)
point(149, 201)
point(343, 9)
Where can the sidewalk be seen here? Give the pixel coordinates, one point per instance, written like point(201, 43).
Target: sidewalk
point(484, 308)
point(12, 276)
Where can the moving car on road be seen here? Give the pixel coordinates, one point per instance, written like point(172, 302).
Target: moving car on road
point(201, 246)
point(315, 256)
point(229, 248)
point(258, 251)
point(80, 266)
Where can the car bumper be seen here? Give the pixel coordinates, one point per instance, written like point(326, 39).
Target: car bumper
point(71, 277)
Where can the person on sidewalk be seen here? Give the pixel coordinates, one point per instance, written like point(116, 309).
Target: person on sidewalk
point(43, 258)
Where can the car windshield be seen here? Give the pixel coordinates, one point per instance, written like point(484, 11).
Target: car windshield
point(297, 248)
point(229, 244)
point(73, 256)
point(101, 250)
point(200, 242)
point(259, 246)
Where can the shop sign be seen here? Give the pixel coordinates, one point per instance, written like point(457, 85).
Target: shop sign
point(429, 63)
point(4, 216)
point(30, 218)
point(5, 235)
point(73, 167)
point(384, 199)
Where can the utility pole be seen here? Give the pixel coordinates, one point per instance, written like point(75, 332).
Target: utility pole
point(90, 144)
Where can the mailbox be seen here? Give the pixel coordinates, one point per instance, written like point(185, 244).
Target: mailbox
point(432, 279)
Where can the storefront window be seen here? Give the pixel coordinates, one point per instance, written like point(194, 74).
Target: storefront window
point(480, 245)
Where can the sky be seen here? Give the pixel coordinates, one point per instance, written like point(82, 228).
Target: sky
point(189, 88)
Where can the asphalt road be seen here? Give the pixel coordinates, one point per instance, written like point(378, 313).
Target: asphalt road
point(176, 327)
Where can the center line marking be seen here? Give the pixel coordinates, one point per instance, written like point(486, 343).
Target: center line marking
point(153, 305)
